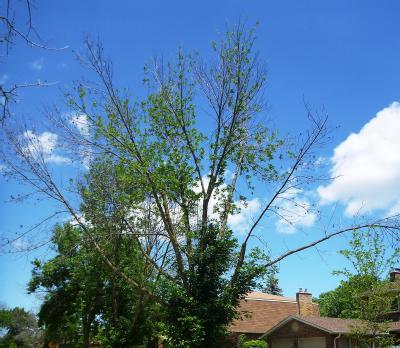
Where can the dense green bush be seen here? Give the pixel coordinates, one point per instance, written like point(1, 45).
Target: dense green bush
point(255, 344)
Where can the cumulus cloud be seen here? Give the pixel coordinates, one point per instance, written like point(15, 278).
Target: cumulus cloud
point(295, 211)
point(80, 121)
point(242, 221)
point(20, 244)
point(366, 167)
point(81, 220)
point(44, 144)
point(37, 64)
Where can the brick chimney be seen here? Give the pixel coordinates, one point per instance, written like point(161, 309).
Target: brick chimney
point(395, 275)
point(305, 305)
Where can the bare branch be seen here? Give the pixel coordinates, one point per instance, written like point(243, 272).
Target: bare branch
point(391, 224)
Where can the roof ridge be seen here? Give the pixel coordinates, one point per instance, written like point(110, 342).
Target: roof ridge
point(265, 296)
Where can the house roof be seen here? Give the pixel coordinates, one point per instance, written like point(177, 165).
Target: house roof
point(260, 296)
point(261, 311)
point(333, 325)
point(327, 324)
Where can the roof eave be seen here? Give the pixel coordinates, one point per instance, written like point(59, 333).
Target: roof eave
point(292, 317)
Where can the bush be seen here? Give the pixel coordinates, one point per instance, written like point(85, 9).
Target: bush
point(255, 344)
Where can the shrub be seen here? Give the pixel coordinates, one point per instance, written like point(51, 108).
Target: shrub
point(255, 344)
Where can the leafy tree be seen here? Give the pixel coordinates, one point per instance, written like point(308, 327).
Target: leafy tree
point(72, 283)
point(129, 316)
point(20, 327)
point(340, 303)
point(375, 330)
point(371, 261)
point(170, 190)
point(84, 302)
point(364, 294)
point(369, 255)
point(272, 282)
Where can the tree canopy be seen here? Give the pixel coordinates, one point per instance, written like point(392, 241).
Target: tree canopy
point(371, 261)
point(20, 328)
point(366, 293)
point(84, 302)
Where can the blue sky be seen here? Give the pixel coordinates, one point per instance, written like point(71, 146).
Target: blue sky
point(343, 56)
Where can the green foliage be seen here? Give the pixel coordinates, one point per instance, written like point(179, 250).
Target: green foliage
point(272, 282)
point(255, 344)
point(369, 255)
point(345, 301)
point(197, 316)
point(370, 259)
point(72, 282)
point(374, 304)
point(84, 300)
point(364, 294)
point(21, 329)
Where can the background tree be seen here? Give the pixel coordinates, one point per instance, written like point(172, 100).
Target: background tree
point(374, 304)
point(21, 329)
point(169, 189)
point(272, 282)
point(83, 301)
point(371, 260)
point(366, 294)
point(72, 282)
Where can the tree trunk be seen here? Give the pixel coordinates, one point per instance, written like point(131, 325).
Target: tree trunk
point(86, 332)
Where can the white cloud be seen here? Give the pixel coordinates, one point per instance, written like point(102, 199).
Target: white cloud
point(242, 222)
point(294, 207)
point(78, 221)
point(321, 161)
point(295, 211)
point(80, 121)
point(37, 64)
point(44, 144)
point(3, 79)
point(366, 167)
point(20, 244)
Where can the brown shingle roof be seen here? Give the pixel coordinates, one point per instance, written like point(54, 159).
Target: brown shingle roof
point(338, 325)
point(255, 295)
point(332, 325)
point(327, 324)
point(260, 312)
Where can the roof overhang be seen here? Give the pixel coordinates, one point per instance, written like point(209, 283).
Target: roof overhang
point(311, 324)
point(295, 318)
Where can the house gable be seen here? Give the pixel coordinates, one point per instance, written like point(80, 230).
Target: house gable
point(294, 327)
